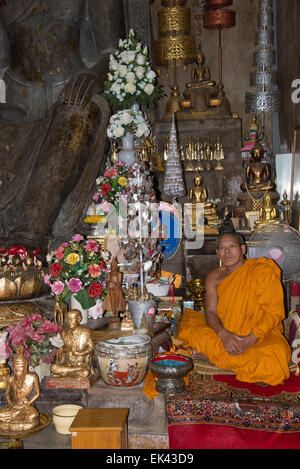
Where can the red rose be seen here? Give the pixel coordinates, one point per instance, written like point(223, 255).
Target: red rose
point(105, 189)
point(55, 270)
point(102, 264)
point(95, 290)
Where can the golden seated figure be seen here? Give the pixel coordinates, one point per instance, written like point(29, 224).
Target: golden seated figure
point(73, 359)
point(268, 213)
point(21, 392)
point(198, 194)
point(258, 174)
point(198, 93)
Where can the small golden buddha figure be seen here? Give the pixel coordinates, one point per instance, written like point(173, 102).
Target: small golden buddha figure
point(114, 153)
point(286, 206)
point(268, 213)
point(73, 359)
point(198, 193)
point(258, 174)
point(190, 154)
point(218, 154)
point(21, 392)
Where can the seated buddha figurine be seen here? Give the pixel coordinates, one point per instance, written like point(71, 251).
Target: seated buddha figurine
point(268, 213)
point(198, 194)
point(258, 174)
point(199, 91)
point(73, 359)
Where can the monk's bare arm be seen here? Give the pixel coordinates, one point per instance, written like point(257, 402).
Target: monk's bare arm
point(231, 342)
point(211, 302)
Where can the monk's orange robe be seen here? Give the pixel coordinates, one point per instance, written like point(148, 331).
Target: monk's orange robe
point(249, 300)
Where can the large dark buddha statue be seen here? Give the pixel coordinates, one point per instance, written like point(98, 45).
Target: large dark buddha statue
point(53, 125)
point(257, 182)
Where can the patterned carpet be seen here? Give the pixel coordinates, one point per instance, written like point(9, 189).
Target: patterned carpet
point(222, 412)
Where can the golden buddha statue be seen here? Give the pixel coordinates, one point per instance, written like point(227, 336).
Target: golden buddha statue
point(258, 174)
point(218, 153)
point(286, 207)
point(73, 359)
point(21, 392)
point(268, 213)
point(198, 195)
point(200, 90)
point(190, 154)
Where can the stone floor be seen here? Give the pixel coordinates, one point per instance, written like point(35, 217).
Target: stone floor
point(147, 427)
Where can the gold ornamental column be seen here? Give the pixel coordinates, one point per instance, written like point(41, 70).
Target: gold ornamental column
point(175, 46)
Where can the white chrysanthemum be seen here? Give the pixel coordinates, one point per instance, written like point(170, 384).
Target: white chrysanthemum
point(118, 132)
point(130, 88)
point(131, 55)
point(140, 72)
point(125, 118)
point(130, 77)
point(113, 65)
point(140, 59)
point(149, 89)
point(150, 75)
point(123, 70)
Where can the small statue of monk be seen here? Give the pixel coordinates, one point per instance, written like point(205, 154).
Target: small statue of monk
point(21, 392)
point(73, 359)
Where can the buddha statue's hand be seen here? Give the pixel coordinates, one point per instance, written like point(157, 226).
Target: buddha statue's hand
point(80, 89)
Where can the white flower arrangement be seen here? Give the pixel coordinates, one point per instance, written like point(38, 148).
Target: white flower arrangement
point(131, 79)
point(128, 121)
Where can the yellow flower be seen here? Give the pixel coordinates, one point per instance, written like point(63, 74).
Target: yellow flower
point(72, 258)
point(122, 181)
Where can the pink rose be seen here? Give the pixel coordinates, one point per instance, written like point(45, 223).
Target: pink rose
point(57, 287)
point(120, 163)
point(92, 246)
point(110, 173)
point(105, 205)
point(47, 279)
point(96, 197)
point(77, 237)
point(59, 254)
point(95, 270)
point(75, 285)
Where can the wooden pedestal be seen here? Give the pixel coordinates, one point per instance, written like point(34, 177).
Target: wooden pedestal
point(100, 429)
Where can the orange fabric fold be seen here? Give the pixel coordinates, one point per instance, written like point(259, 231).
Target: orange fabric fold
point(249, 300)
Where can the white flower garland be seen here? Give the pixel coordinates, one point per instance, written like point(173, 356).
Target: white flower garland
point(128, 121)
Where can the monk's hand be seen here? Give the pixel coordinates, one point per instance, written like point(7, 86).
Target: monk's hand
point(232, 342)
point(246, 341)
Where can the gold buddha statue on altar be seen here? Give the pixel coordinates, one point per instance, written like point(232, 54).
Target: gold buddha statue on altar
point(268, 213)
point(258, 173)
point(198, 92)
point(258, 181)
point(198, 195)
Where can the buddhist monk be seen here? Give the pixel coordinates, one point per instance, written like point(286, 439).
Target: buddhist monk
point(241, 329)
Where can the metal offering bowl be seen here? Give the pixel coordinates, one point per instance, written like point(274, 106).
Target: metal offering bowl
point(170, 370)
point(21, 284)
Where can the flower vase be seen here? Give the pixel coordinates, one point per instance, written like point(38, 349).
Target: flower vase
point(127, 154)
point(84, 312)
point(96, 312)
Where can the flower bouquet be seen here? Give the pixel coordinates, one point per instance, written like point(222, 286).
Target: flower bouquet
point(34, 332)
point(78, 267)
point(128, 121)
point(131, 79)
point(112, 188)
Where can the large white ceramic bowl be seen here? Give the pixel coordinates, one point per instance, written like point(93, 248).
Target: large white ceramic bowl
point(63, 416)
point(157, 289)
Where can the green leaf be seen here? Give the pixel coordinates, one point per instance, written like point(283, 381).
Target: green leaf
point(84, 299)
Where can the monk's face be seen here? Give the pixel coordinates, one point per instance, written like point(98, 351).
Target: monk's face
point(230, 252)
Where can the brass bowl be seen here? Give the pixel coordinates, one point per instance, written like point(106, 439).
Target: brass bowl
point(22, 284)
